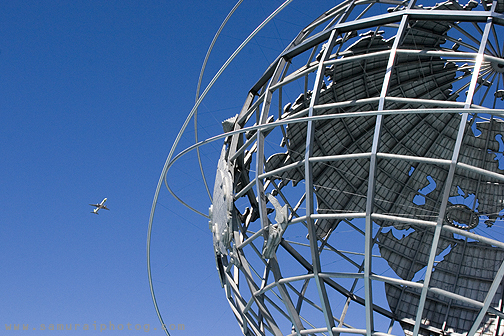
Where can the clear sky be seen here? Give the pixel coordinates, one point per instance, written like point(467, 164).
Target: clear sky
point(92, 94)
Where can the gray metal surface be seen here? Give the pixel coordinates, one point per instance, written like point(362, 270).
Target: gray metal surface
point(361, 189)
point(452, 274)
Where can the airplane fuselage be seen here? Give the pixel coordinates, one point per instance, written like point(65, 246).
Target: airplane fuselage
point(99, 206)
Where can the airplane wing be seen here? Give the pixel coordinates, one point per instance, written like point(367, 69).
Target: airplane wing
point(99, 206)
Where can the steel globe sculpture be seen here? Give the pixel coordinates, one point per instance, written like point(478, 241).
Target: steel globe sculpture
point(360, 189)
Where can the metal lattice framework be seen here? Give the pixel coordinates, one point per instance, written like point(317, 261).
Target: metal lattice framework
point(373, 203)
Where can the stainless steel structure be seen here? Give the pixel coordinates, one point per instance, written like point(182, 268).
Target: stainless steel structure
point(360, 189)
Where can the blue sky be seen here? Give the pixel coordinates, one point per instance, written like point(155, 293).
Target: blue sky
point(93, 94)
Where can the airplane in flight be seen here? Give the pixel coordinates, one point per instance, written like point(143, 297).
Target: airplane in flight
point(99, 206)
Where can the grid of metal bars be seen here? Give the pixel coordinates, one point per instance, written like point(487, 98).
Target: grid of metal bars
point(396, 131)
